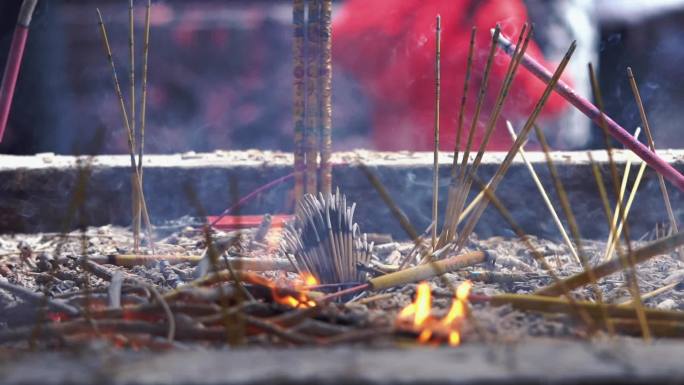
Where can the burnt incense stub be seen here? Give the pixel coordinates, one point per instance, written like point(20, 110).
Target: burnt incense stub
point(325, 241)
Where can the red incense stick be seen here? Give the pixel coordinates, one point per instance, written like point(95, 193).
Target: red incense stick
point(9, 79)
point(592, 112)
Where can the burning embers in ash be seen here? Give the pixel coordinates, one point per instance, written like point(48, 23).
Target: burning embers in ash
point(325, 241)
point(298, 296)
point(417, 317)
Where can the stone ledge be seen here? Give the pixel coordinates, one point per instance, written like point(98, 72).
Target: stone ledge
point(34, 190)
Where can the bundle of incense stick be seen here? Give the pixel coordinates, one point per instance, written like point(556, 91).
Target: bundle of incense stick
point(312, 107)
point(325, 241)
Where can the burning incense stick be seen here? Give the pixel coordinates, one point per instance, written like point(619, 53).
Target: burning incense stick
point(313, 108)
point(435, 166)
point(325, 84)
point(593, 113)
point(299, 89)
point(16, 53)
point(544, 195)
point(651, 144)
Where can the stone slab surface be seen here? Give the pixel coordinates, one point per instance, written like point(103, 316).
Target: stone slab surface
point(35, 190)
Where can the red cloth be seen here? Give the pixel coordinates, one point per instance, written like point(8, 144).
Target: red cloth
point(389, 45)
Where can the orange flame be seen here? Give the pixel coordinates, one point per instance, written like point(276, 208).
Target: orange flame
point(298, 299)
point(419, 315)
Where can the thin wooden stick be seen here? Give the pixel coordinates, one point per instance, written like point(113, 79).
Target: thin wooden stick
point(508, 160)
point(299, 97)
point(620, 199)
point(135, 198)
point(464, 99)
point(651, 145)
point(628, 206)
point(491, 197)
point(435, 166)
point(143, 107)
point(325, 84)
point(640, 255)
point(491, 122)
point(629, 261)
point(124, 116)
point(544, 195)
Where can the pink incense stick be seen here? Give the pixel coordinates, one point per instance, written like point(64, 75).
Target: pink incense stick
point(9, 79)
point(593, 113)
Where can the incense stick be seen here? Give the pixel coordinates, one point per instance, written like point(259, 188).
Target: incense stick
point(572, 224)
point(435, 167)
point(312, 102)
point(131, 78)
point(124, 116)
point(464, 98)
point(143, 102)
point(544, 195)
point(325, 84)
point(299, 90)
point(593, 113)
point(503, 168)
point(629, 261)
point(651, 144)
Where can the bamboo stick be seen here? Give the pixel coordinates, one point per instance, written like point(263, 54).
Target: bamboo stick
point(427, 271)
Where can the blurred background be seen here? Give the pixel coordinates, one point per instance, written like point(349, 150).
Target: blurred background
point(220, 71)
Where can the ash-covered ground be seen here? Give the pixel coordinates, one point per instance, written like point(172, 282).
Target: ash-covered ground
point(121, 306)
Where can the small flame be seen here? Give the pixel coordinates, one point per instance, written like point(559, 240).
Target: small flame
point(300, 299)
point(419, 315)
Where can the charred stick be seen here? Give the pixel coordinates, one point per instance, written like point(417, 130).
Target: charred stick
point(37, 298)
point(593, 113)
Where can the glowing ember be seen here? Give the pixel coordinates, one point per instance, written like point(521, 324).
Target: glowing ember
point(297, 294)
point(418, 314)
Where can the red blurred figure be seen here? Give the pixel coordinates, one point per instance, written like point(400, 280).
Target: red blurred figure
point(389, 45)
